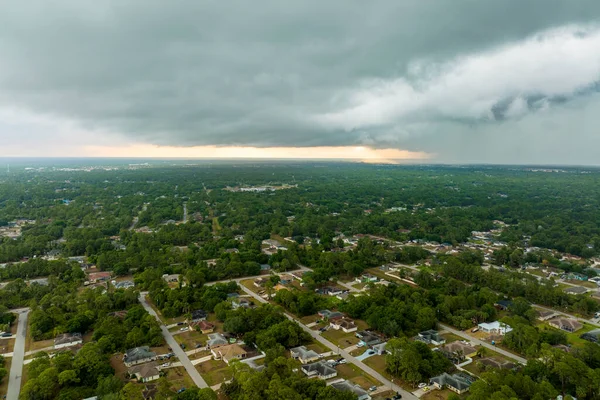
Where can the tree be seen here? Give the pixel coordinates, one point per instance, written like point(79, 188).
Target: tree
point(131, 391)
point(108, 384)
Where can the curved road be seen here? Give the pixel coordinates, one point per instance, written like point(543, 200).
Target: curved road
point(16, 366)
point(183, 358)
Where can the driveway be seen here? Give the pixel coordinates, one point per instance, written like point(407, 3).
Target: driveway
point(183, 358)
point(16, 366)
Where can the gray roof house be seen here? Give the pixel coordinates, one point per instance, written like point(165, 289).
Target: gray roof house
point(138, 355)
point(304, 355)
point(431, 337)
point(346, 386)
point(457, 383)
point(368, 338)
point(216, 340)
point(320, 370)
point(67, 340)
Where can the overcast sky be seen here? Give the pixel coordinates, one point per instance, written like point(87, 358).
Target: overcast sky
point(459, 81)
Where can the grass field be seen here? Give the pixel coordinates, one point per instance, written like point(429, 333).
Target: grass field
point(179, 378)
point(572, 338)
point(353, 373)
point(340, 338)
point(440, 395)
point(214, 371)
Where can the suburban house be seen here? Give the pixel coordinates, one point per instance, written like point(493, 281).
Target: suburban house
point(592, 336)
point(546, 315)
point(124, 285)
point(265, 267)
point(202, 326)
point(138, 355)
point(146, 372)
point(566, 324)
point(259, 282)
point(197, 316)
point(346, 386)
point(216, 340)
point(39, 281)
point(576, 290)
point(319, 370)
point(366, 278)
point(171, 278)
point(229, 352)
point(368, 338)
point(67, 340)
point(496, 327)
point(503, 304)
point(285, 279)
point(330, 315)
point(458, 351)
point(458, 383)
point(345, 324)
point(329, 291)
point(304, 355)
point(99, 276)
point(431, 336)
point(380, 349)
point(241, 302)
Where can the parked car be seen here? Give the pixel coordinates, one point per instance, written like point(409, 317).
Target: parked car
point(181, 390)
point(198, 345)
point(475, 330)
point(422, 385)
point(6, 334)
point(165, 365)
point(182, 345)
point(342, 361)
point(373, 388)
point(185, 328)
point(322, 329)
point(360, 344)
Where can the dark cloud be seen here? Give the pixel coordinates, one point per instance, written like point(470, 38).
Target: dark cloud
point(302, 73)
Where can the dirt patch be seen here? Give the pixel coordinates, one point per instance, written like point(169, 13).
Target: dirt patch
point(116, 362)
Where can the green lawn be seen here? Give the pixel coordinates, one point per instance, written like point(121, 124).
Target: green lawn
point(214, 371)
point(572, 338)
point(340, 338)
point(352, 373)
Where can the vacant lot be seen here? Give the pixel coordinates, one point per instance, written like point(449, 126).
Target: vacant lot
point(179, 378)
point(440, 395)
point(214, 371)
point(340, 338)
point(353, 373)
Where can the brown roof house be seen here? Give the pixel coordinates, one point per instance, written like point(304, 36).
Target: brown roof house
point(566, 324)
point(345, 324)
point(458, 351)
point(229, 352)
point(145, 372)
point(202, 326)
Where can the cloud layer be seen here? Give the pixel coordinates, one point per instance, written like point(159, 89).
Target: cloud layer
point(438, 77)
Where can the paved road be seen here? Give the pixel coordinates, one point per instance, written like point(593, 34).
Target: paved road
point(183, 358)
point(16, 366)
point(185, 213)
point(341, 352)
point(482, 343)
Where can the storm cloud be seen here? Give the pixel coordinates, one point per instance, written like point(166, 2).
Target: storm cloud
point(468, 80)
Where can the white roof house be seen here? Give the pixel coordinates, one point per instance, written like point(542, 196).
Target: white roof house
point(495, 327)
